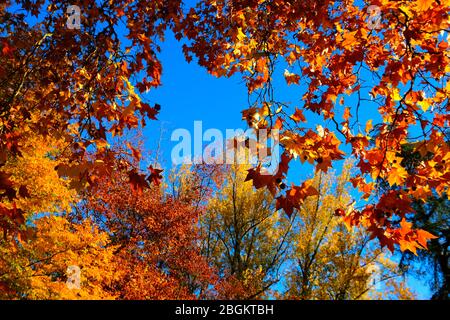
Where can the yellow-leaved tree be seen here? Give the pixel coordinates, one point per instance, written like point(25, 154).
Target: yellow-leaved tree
point(46, 250)
point(243, 235)
point(62, 260)
point(41, 189)
point(332, 260)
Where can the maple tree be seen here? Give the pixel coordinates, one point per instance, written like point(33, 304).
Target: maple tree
point(344, 61)
point(155, 236)
point(75, 84)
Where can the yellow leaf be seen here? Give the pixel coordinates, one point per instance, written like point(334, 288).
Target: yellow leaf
point(240, 35)
point(424, 105)
point(369, 126)
point(396, 95)
point(396, 176)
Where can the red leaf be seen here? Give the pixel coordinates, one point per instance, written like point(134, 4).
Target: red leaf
point(155, 176)
point(137, 181)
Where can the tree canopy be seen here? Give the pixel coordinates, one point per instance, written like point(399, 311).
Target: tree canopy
point(371, 80)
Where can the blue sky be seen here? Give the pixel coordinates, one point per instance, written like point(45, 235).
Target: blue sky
point(190, 94)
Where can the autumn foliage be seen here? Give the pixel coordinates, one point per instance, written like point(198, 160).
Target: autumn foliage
point(331, 48)
point(155, 238)
point(370, 79)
